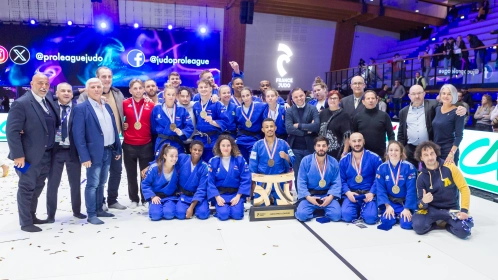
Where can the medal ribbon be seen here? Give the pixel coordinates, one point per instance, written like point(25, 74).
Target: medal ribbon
point(236, 101)
point(204, 107)
point(270, 113)
point(356, 167)
point(251, 110)
point(137, 116)
point(173, 113)
point(322, 174)
point(274, 148)
point(392, 174)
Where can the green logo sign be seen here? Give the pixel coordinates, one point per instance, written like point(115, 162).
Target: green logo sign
point(483, 166)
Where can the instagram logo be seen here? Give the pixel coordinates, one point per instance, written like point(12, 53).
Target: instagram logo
point(4, 55)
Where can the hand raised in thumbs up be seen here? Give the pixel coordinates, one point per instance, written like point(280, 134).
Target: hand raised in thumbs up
point(427, 197)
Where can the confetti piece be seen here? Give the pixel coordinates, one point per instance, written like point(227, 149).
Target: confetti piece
point(275, 245)
point(98, 231)
point(71, 232)
point(219, 249)
point(146, 247)
point(46, 250)
point(140, 243)
point(144, 232)
point(78, 257)
point(63, 243)
point(165, 242)
point(112, 237)
point(152, 237)
point(56, 236)
point(428, 256)
point(268, 226)
point(129, 250)
point(12, 248)
point(30, 244)
point(176, 244)
point(264, 254)
point(166, 236)
point(219, 229)
point(114, 253)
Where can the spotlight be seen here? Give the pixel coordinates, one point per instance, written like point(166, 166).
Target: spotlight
point(103, 25)
point(135, 25)
point(433, 39)
point(462, 17)
point(69, 23)
point(416, 11)
point(33, 22)
point(170, 26)
point(203, 30)
point(494, 47)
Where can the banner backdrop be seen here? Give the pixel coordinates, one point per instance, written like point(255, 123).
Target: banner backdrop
point(72, 54)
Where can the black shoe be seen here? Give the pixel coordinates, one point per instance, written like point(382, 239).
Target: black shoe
point(50, 220)
point(31, 228)
point(79, 215)
point(105, 214)
point(37, 221)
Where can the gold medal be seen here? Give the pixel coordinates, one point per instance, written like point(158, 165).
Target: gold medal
point(358, 179)
point(395, 189)
point(204, 114)
point(322, 183)
point(271, 162)
point(137, 125)
point(172, 126)
point(248, 124)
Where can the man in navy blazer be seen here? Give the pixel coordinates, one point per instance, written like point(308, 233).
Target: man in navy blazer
point(302, 123)
point(30, 130)
point(64, 153)
point(97, 140)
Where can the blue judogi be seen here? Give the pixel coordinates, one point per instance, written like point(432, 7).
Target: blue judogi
point(279, 119)
point(314, 101)
point(160, 122)
point(368, 211)
point(192, 182)
point(231, 125)
point(207, 133)
point(156, 184)
point(308, 185)
point(228, 183)
point(258, 161)
point(407, 195)
point(247, 136)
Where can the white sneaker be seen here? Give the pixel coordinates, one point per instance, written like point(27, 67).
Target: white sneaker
point(145, 205)
point(104, 207)
point(133, 205)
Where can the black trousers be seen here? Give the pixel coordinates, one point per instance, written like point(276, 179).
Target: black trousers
point(31, 186)
point(410, 155)
point(73, 168)
point(132, 154)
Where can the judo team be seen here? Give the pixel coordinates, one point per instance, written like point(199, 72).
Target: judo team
point(196, 149)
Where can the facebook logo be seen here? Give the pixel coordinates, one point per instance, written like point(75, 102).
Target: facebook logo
point(136, 58)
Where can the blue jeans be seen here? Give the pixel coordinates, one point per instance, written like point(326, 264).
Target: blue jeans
point(96, 177)
point(397, 105)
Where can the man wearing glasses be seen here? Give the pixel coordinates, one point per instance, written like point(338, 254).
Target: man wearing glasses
point(415, 121)
point(352, 104)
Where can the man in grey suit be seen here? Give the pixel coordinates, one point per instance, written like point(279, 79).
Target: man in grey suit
point(352, 104)
point(302, 123)
point(64, 153)
point(31, 128)
point(114, 98)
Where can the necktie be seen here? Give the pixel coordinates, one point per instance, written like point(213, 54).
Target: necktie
point(356, 102)
point(45, 106)
point(64, 122)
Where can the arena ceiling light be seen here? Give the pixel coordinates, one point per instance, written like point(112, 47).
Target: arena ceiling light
point(69, 22)
point(170, 26)
point(32, 22)
point(203, 29)
point(136, 25)
point(103, 25)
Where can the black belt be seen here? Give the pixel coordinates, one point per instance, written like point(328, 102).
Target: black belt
point(248, 133)
point(399, 200)
point(64, 147)
point(207, 134)
point(161, 195)
point(109, 147)
point(184, 191)
point(229, 132)
point(174, 138)
point(318, 192)
point(360, 191)
point(227, 190)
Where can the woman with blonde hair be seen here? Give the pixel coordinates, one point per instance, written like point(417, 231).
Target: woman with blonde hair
point(483, 114)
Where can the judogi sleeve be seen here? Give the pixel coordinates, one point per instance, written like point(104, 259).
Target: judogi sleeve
point(411, 189)
point(380, 187)
point(302, 179)
point(221, 116)
point(335, 188)
point(376, 162)
point(148, 182)
point(201, 192)
point(212, 190)
point(254, 158)
point(343, 168)
point(245, 177)
point(189, 126)
point(291, 155)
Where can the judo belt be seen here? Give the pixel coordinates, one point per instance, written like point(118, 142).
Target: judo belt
point(227, 190)
point(399, 200)
point(248, 133)
point(229, 132)
point(360, 191)
point(174, 138)
point(318, 192)
point(161, 195)
point(184, 191)
point(207, 134)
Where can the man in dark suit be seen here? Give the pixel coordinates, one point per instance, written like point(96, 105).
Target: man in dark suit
point(302, 123)
point(97, 140)
point(352, 104)
point(31, 127)
point(415, 121)
point(64, 153)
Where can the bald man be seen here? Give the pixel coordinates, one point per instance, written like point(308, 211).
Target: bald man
point(352, 104)
point(415, 121)
point(34, 116)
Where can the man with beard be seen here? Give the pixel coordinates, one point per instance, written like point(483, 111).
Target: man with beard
point(358, 169)
point(319, 184)
point(151, 91)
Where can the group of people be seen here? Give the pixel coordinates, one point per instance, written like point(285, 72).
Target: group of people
point(196, 149)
